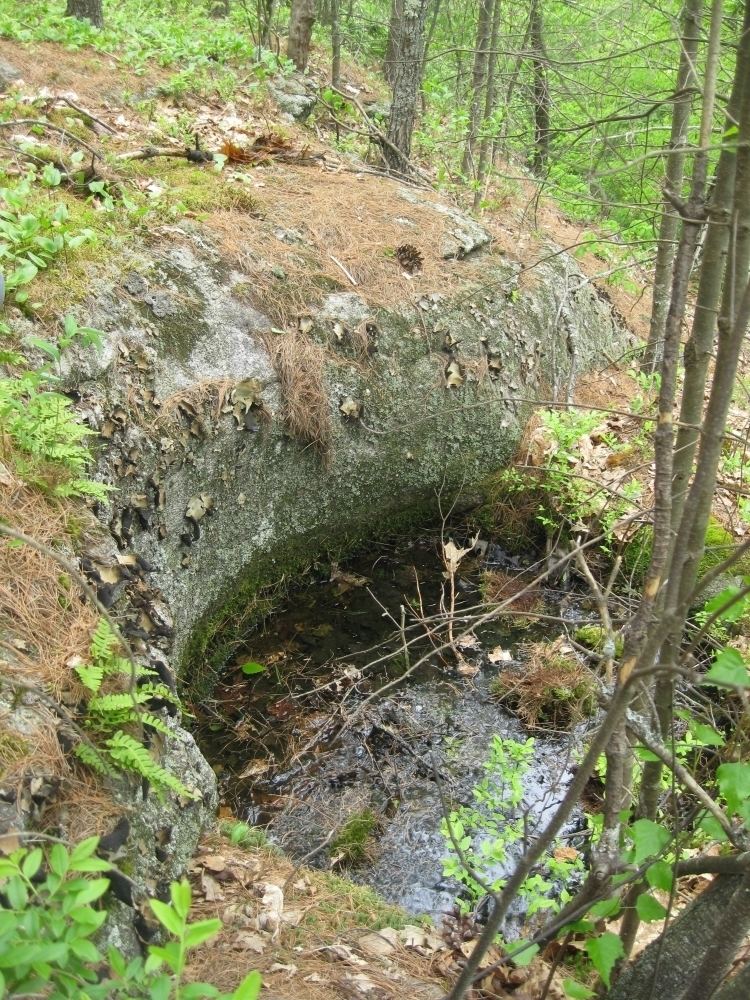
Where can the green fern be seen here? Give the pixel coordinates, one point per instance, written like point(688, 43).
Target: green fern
point(95, 759)
point(131, 755)
point(109, 711)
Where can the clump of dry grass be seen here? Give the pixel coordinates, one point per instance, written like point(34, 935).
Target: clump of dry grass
point(41, 608)
point(551, 688)
point(300, 364)
point(207, 394)
point(498, 587)
point(46, 622)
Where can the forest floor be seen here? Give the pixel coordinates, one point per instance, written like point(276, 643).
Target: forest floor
point(310, 933)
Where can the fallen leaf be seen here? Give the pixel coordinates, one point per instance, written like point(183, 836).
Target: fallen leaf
point(249, 942)
point(210, 887)
point(499, 655)
point(291, 970)
point(214, 862)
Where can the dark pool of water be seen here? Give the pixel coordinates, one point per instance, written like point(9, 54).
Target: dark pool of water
point(298, 750)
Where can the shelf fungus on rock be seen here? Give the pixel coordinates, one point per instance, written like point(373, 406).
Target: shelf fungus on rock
point(454, 376)
point(351, 408)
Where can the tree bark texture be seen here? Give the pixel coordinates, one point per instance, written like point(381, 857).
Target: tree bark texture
point(86, 10)
point(669, 963)
point(490, 96)
point(394, 23)
point(407, 77)
point(335, 43)
point(301, 23)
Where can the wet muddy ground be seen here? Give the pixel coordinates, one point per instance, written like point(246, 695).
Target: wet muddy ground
point(300, 750)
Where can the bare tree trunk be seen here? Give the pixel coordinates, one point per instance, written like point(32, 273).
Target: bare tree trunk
point(301, 23)
point(478, 77)
point(699, 346)
point(407, 77)
point(394, 23)
point(335, 43)
point(264, 9)
point(487, 143)
point(728, 935)
point(86, 10)
point(737, 988)
point(674, 175)
point(541, 88)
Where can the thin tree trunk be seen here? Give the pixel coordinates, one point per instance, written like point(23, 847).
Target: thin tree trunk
point(699, 346)
point(301, 23)
point(674, 175)
point(486, 145)
point(264, 10)
point(541, 88)
point(407, 77)
point(478, 78)
point(391, 48)
point(86, 10)
point(335, 43)
point(736, 988)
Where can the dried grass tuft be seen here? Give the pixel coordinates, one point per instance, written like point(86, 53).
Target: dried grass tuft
point(41, 608)
point(552, 689)
point(300, 365)
point(498, 587)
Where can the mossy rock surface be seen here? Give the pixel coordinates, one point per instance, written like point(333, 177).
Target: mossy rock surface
point(178, 341)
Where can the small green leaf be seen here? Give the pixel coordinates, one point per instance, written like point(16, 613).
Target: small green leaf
point(605, 908)
point(522, 958)
point(166, 916)
point(32, 863)
point(58, 860)
point(648, 839)
point(576, 990)
point(200, 931)
point(734, 785)
point(250, 668)
point(659, 875)
point(604, 952)
point(249, 988)
point(83, 850)
point(649, 909)
point(181, 897)
point(728, 670)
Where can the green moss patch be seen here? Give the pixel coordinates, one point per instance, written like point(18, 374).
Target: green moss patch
point(354, 842)
point(719, 545)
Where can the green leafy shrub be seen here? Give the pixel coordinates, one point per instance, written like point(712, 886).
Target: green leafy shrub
point(719, 545)
point(488, 831)
point(49, 919)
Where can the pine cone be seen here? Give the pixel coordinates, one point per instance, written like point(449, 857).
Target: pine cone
point(409, 258)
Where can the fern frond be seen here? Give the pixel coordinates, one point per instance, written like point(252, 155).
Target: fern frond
point(91, 676)
point(93, 759)
point(130, 755)
point(149, 719)
point(103, 643)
